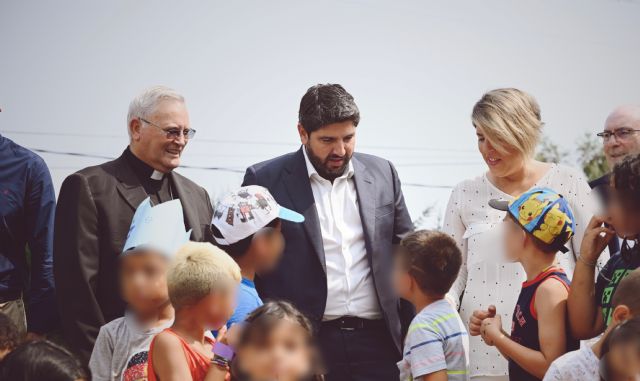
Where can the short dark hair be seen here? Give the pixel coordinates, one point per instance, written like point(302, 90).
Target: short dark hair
point(240, 248)
point(626, 181)
point(326, 104)
point(628, 332)
point(432, 258)
point(42, 360)
point(627, 293)
point(10, 337)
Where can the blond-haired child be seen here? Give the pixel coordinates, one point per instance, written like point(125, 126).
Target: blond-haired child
point(202, 281)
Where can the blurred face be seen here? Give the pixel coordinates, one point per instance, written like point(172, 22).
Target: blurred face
point(216, 309)
point(625, 220)
point(284, 355)
point(149, 142)
point(143, 277)
point(330, 148)
point(616, 149)
point(500, 164)
point(624, 361)
point(402, 281)
point(514, 239)
point(269, 247)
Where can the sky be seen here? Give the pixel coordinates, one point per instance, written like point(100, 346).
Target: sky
point(68, 70)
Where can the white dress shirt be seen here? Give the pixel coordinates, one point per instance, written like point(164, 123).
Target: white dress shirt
point(350, 289)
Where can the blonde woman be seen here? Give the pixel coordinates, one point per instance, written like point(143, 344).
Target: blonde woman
point(508, 125)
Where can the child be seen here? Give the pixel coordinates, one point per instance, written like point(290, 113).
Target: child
point(584, 364)
point(437, 344)
point(9, 336)
point(121, 349)
point(621, 353)
point(589, 315)
point(42, 360)
point(246, 225)
point(202, 284)
point(538, 225)
point(275, 344)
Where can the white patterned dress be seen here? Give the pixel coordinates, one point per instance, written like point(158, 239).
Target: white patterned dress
point(485, 277)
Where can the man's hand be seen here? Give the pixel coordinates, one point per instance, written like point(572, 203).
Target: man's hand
point(478, 316)
point(491, 329)
point(596, 237)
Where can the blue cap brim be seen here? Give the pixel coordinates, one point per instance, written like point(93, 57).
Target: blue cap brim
point(290, 215)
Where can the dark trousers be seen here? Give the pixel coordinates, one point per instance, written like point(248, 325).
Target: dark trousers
point(361, 354)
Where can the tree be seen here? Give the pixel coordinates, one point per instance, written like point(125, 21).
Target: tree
point(591, 157)
point(549, 152)
point(428, 212)
point(588, 152)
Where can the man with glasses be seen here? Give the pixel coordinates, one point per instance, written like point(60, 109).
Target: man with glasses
point(621, 139)
point(96, 206)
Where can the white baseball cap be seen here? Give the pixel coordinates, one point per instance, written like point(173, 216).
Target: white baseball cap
point(159, 228)
point(247, 211)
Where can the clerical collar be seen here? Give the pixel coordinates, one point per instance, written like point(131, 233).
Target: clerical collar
point(142, 169)
point(157, 175)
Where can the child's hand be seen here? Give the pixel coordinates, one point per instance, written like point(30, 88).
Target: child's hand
point(596, 237)
point(230, 336)
point(491, 329)
point(475, 321)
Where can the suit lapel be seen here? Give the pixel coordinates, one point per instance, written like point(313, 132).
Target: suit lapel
point(128, 184)
point(298, 186)
point(365, 189)
point(188, 207)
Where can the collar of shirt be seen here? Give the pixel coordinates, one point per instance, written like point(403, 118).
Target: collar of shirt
point(142, 169)
point(248, 282)
point(313, 173)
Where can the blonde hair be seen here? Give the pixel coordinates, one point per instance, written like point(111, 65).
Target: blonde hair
point(510, 119)
point(198, 270)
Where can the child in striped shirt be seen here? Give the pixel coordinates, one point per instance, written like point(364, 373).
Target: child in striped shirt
point(437, 344)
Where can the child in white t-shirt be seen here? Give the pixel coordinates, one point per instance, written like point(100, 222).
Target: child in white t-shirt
point(122, 346)
point(585, 363)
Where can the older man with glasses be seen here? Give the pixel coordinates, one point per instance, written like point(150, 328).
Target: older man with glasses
point(621, 139)
point(96, 205)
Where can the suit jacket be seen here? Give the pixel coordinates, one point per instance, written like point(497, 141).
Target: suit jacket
point(93, 215)
point(301, 275)
point(602, 188)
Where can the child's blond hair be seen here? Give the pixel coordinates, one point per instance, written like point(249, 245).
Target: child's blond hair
point(198, 270)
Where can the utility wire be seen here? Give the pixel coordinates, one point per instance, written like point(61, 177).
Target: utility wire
point(94, 156)
point(222, 169)
point(231, 141)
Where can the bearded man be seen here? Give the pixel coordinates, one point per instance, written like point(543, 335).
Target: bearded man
point(337, 265)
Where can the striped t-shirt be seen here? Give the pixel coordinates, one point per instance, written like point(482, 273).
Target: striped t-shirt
point(437, 340)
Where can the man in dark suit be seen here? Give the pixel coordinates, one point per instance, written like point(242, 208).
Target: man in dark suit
point(337, 265)
point(621, 139)
point(96, 206)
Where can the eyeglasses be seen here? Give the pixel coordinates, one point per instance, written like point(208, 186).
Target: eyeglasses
point(173, 133)
point(620, 134)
